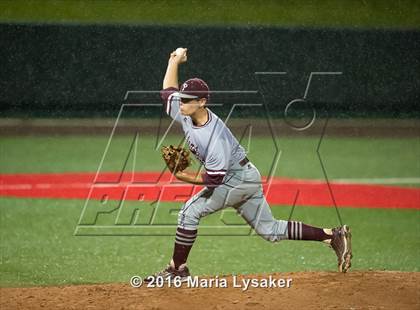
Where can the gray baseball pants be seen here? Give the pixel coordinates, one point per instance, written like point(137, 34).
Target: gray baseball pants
point(241, 190)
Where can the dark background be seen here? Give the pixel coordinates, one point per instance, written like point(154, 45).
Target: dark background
point(73, 70)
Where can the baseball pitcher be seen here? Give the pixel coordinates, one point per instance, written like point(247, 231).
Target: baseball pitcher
point(230, 179)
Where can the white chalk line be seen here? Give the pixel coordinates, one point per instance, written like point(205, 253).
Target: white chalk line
point(27, 186)
point(412, 180)
point(41, 186)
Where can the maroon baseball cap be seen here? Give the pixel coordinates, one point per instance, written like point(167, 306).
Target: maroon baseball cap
point(194, 88)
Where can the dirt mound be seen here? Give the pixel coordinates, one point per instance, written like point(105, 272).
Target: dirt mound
point(311, 290)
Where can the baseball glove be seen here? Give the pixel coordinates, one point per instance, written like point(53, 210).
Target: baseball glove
point(176, 158)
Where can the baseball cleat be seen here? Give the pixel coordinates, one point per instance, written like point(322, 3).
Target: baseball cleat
point(170, 273)
point(341, 244)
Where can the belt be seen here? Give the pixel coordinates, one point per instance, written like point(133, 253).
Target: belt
point(244, 161)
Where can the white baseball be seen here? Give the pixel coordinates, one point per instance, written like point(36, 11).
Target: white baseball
point(180, 51)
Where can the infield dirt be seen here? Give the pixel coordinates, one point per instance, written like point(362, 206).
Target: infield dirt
point(309, 290)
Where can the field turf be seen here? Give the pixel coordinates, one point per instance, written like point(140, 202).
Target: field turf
point(38, 246)
point(308, 13)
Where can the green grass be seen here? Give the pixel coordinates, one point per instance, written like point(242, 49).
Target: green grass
point(38, 245)
point(342, 157)
point(329, 13)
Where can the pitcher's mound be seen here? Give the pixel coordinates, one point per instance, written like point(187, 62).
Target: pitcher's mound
point(310, 290)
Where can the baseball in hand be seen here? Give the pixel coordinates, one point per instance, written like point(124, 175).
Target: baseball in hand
point(180, 51)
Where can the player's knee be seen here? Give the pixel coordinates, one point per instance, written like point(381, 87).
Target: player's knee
point(270, 234)
point(271, 238)
point(188, 219)
point(276, 238)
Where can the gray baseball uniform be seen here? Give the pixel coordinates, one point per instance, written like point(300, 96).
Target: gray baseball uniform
point(230, 181)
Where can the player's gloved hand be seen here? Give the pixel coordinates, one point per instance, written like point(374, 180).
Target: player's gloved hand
point(176, 158)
